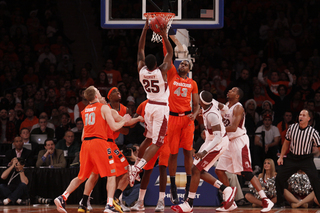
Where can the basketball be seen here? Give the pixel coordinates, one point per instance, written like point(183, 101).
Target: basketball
point(157, 23)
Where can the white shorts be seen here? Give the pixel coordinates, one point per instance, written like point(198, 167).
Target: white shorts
point(212, 156)
point(236, 158)
point(156, 122)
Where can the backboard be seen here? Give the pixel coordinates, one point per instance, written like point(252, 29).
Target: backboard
point(190, 14)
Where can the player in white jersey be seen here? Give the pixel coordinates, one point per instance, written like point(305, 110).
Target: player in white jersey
point(154, 81)
point(216, 142)
point(237, 158)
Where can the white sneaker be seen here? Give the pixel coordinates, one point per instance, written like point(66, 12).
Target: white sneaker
point(89, 207)
point(139, 206)
point(232, 207)
point(183, 207)
point(228, 196)
point(124, 207)
point(160, 206)
point(133, 174)
point(267, 204)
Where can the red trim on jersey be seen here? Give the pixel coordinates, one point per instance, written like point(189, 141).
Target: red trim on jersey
point(207, 159)
point(246, 164)
point(162, 132)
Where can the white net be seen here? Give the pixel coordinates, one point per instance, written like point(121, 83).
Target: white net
point(167, 16)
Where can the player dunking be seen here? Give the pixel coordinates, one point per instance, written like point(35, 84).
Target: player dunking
point(96, 151)
point(237, 159)
point(181, 121)
point(154, 81)
point(215, 144)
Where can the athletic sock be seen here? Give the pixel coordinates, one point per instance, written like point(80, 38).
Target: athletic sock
point(65, 195)
point(117, 193)
point(173, 181)
point(162, 195)
point(85, 200)
point(219, 185)
point(110, 201)
point(262, 194)
point(142, 193)
point(141, 163)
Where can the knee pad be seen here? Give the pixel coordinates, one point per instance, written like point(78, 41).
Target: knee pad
point(247, 175)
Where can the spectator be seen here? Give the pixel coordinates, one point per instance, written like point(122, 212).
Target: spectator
point(77, 130)
point(114, 76)
point(84, 80)
point(317, 101)
point(25, 135)
point(38, 102)
point(64, 126)
point(81, 105)
point(268, 173)
point(271, 139)
point(55, 118)
point(30, 77)
point(68, 144)
point(102, 84)
point(47, 54)
point(19, 152)
point(49, 124)
point(305, 88)
point(8, 130)
point(274, 82)
point(43, 128)
point(51, 156)
point(16, 188)
point(30, 120)
point(51, 101)
point(14, 119)
point(284, 125)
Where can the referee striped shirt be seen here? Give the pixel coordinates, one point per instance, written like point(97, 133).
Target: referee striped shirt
point(302, 140)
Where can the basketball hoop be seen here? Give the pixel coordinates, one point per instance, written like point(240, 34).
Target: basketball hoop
point(167, 16)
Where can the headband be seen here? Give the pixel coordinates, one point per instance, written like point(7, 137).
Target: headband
point(206, 103)
point(110, 91)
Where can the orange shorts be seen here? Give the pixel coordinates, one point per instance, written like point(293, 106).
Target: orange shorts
point(96, 156)
point(120, 160)
point(180, 133)
point(163, 153)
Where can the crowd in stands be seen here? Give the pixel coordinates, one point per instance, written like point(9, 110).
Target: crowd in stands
point(268, 48)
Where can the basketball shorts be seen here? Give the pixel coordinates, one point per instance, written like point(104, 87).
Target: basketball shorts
point(236, 158)
point(96, 156)
point(156, 122)
point(212, 156)
point(163, 153)
point(119, 160)
point(180, 133)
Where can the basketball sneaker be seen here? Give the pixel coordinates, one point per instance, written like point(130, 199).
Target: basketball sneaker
point(133, 174)
point(116, 205)
point(228, 196)
point(139, 206)
point(61, 204)
point(124, 207)
point(183, 207)
point(82, 209)
point(160, 206)
point(110, 209)
point(223, 209)
point(89, 207)
point(267, 204)
point(173, 195)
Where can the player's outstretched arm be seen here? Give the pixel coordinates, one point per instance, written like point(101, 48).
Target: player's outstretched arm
point(166, 65)
point(114, 126)
point(141, 46)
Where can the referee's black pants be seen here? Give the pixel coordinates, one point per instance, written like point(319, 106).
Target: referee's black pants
point(291, 164)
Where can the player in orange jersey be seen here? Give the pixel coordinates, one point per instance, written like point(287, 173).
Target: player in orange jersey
point(96, 155)
point(180, 132)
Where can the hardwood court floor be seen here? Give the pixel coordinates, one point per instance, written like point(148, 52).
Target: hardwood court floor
point(99, 208)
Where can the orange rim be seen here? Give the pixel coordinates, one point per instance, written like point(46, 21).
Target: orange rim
point(165, 15)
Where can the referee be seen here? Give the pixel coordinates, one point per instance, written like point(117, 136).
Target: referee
point(302, 137)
